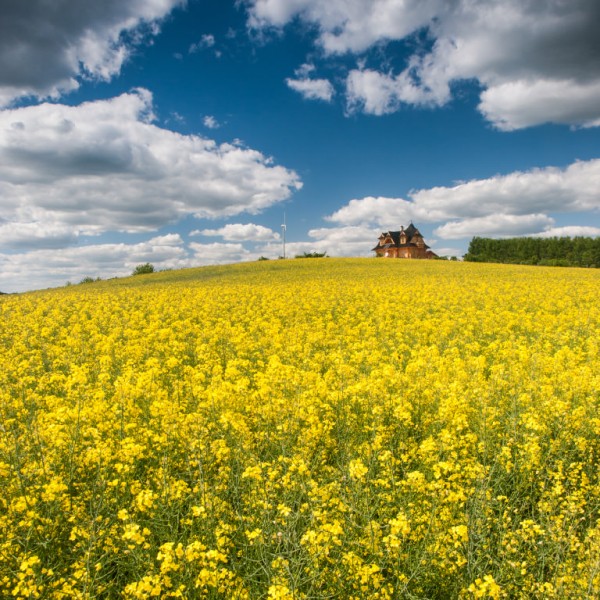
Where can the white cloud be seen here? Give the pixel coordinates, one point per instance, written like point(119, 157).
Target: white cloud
point(304, 70)
point(519, 104)
point(446, 250)
point(494, 226)
point(536, 61)
point(381, 93)
point(373, 92)
point(218, 253)
point(206, 41)
point(379, 211)
point(312, 89)
point(103, 166)
point(241, 232)
point(49, 268)
point(571, 231)
point(573, 189)
point(47, 47)
point(346, 25)
point(335, 241)
point(515, 204)
point(210, 122)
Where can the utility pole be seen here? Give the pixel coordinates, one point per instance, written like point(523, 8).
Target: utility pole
point(283, 229)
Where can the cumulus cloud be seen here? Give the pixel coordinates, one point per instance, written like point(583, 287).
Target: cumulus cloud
point(517, 104)
point(49, 268)
point(494, 226)
point(346, 26)
point(335, 241)
point(241, 232)
point(536, 61)
point(378, 93)
point(374, 210)
point(571, 231)
point(47, 47)
point(515, 204)
point(219, 253)
point(573, 189)
point(312, 89)
point(104, 166)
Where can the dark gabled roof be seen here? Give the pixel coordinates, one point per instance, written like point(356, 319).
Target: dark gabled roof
point(410, 232)
point(378, 247)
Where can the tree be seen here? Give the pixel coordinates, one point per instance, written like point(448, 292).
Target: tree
point(143, 269)
point(312, 255)
point(554, 251)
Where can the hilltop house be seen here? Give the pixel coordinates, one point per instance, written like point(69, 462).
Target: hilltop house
point(406, 243)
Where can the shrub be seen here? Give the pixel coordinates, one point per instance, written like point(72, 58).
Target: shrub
point(143, 269)
point(311, 255)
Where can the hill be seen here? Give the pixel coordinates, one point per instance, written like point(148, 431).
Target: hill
point(303, 428)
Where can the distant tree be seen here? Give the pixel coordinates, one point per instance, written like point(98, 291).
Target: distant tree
point(311, 255)
point(87, 280)
point(553, 251)
point(263, 258)
point(143, 269)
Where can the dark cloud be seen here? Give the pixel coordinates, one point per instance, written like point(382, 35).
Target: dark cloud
point(45, 46)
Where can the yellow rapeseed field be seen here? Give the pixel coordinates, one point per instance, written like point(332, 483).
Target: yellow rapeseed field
point(332, 428)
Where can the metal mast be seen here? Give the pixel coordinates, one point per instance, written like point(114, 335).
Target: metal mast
point(283, 229)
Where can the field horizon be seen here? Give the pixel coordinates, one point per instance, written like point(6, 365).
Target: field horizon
point(252, 268)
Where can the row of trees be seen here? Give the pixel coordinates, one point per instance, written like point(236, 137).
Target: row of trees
point(554, 251)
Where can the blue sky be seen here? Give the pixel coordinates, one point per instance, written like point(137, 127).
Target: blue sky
point(179, 133)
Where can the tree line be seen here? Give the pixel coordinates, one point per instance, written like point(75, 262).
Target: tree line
point(552, 251)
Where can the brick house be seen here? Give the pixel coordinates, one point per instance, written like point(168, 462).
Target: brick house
point(406, 243)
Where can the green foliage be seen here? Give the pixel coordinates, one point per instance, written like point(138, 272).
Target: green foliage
point(312, 255)
point(87, 280)
point(263, 258)
point(554, 251)
point(143, 269)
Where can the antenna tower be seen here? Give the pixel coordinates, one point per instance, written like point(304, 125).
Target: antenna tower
point(283, 230)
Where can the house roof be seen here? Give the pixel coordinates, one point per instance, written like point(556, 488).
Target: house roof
point(410, 233)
